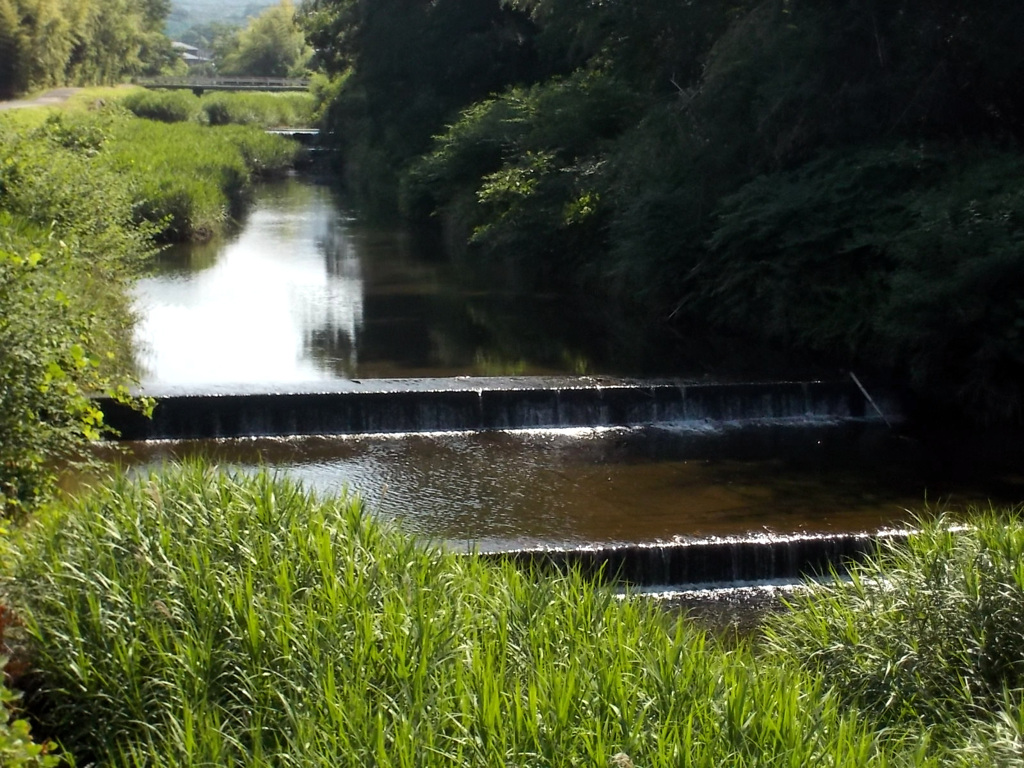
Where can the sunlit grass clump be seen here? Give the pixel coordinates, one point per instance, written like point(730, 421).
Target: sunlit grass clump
point(263, 109)
point(927, 633)
point(191, 179)
point(195, 618)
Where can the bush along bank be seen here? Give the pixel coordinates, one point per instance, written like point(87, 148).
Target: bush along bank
point(196, 618)
point(69, 247)
point(83, 198)
point(84, 195)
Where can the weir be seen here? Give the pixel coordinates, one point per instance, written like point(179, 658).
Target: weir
point(305, 136)
point(384, 406)
point(702, 562)
point(471, 405)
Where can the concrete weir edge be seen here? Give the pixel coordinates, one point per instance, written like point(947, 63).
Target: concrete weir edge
point(709, 563)
point(476, 404)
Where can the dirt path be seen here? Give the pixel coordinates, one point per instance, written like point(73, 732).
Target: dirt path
point(47, 99)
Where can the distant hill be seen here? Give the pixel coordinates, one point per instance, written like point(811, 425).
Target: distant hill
point(186, 14)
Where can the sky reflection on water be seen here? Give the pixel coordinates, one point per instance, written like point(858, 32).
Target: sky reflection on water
point(251, 315)
point(306, 292)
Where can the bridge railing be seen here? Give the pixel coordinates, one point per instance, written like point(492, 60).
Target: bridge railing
point(269, 83)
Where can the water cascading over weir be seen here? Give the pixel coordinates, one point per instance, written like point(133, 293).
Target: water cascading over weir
point(399, 406)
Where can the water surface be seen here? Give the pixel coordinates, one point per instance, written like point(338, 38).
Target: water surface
point(306, 292)
point(502, 490)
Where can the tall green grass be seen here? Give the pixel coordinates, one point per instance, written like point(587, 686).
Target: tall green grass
point(196, 618)
point(188, 180)
point(191, 179)
point(929, 632)
point(262, 109)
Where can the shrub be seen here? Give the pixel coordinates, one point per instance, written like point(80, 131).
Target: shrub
point(67, 249)
point(905, 257)
point(261, 109)
point(17, 750)
point(928, 632)
point(521, 173)
point(81, 197)
point(267, 110)
point(164, 106)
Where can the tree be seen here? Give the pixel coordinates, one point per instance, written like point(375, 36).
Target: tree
point(271, 46)
point(409, 67)
point(55, 42)
point(154, 14)
point(12, 50)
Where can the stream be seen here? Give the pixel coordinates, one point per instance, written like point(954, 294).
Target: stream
point(306, 292)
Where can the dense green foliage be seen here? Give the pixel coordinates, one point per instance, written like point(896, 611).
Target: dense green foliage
point(17, 750)
point(68, 246)
point(267, 110)
point(272, 45)
point(405, 69)
point(837, 178)
point(908, 256)
point(82, 197)
point(193, 618)
point(45, 43)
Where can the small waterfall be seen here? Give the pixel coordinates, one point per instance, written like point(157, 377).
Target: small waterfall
point(440, 405)
point(528, 407)
point(306, 136)
point(722, 562)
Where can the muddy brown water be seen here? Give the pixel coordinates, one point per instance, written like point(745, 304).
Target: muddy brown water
point(514, 489)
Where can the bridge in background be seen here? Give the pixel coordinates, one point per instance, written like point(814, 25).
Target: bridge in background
point(199, 85)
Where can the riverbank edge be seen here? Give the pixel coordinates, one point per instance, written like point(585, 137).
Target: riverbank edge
point(553, 667)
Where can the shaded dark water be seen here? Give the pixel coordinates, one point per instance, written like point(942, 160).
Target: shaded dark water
point(305, 292)
point(503, 490)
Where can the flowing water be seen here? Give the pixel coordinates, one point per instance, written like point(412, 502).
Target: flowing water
point(304, 292)
point(513, 489)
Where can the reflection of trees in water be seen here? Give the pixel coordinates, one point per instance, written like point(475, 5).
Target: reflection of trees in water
point(386, 311)
point(185, 259)
point(410, 328)
point(340, 257)
point(332, 320)
point(334, 350)
point(529, 334)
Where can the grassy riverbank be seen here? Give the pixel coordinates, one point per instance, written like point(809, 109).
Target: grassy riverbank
point(265, 110)
point(192, 618)
point(85, 194)
point(193, 181)
point(188, 179)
